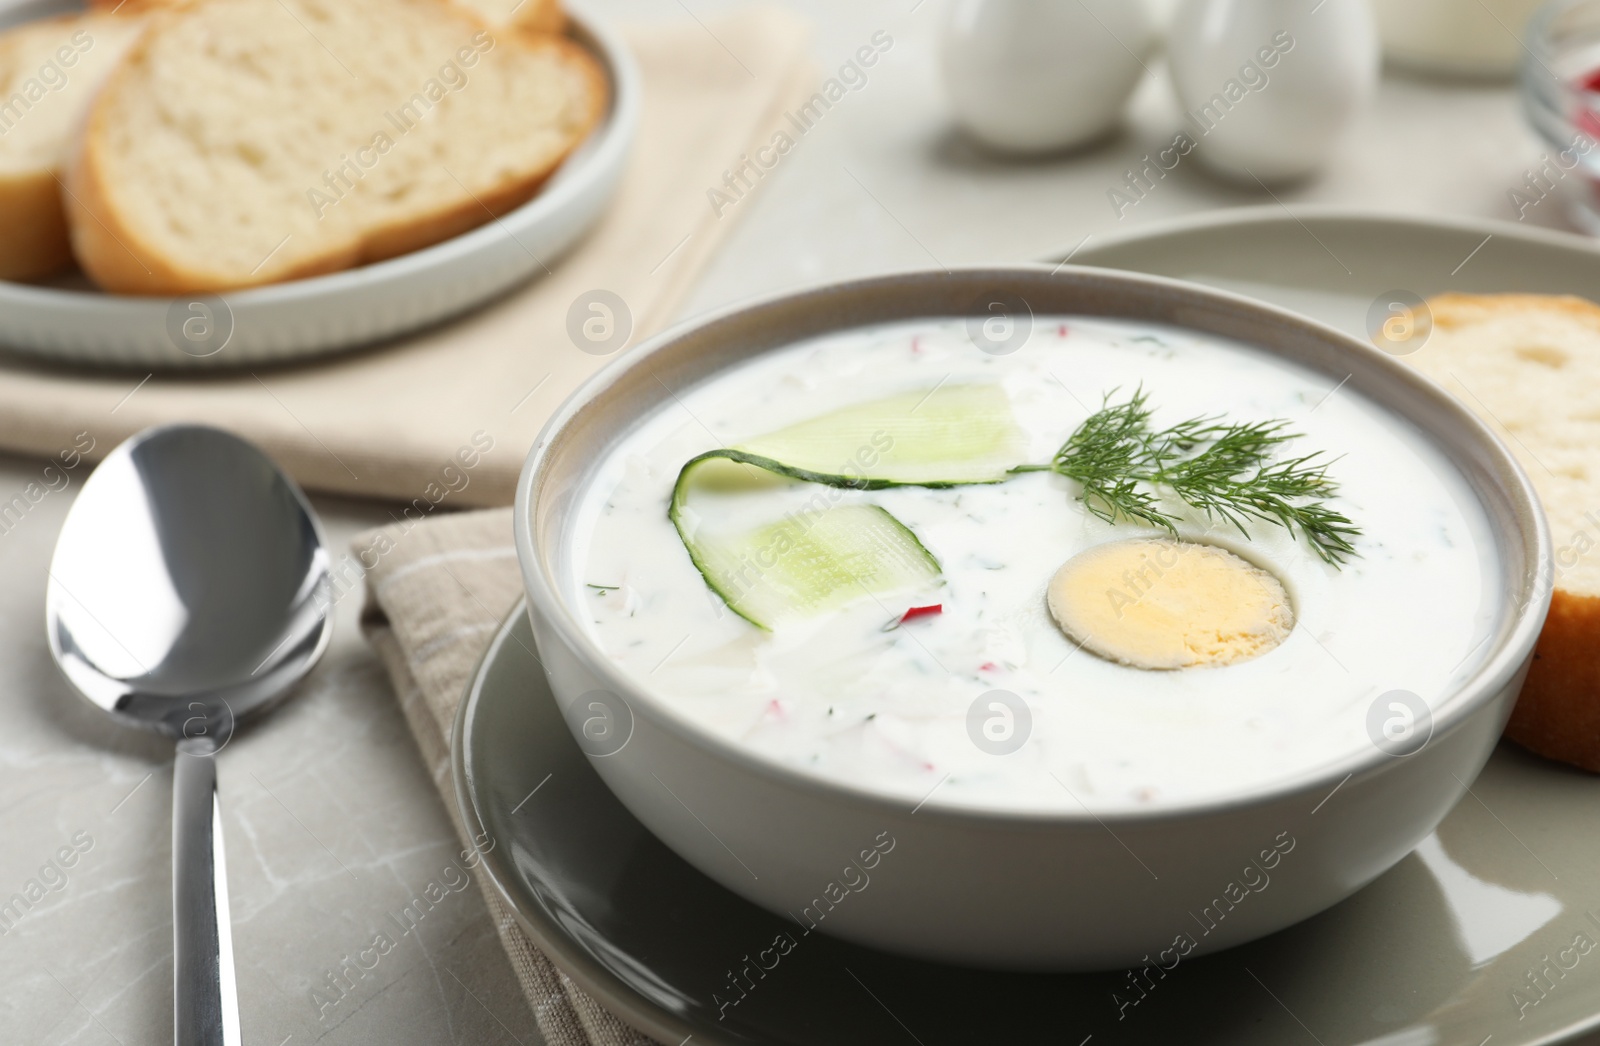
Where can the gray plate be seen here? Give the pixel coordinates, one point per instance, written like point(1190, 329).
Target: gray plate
point(1446, 948)
point(1430, 953)
point(1334, 264)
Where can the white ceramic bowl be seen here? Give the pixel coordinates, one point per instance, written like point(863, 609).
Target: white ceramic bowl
point(71, 321)
point(1027, 890)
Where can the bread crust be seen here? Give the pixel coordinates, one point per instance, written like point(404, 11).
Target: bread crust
point(35, 243)
point(1455, 310)
point(1558, 713)
point(111, 252)
point(540, 16)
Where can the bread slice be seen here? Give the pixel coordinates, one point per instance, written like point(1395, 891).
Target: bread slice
point(49, 71)
point(242, 142)
point(1529, 365)
point(537, 16)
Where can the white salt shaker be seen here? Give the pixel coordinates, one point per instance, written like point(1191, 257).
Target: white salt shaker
point(1040, 75)
point(1268, 87)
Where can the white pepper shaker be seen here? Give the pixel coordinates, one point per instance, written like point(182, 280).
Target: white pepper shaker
point(1269, 87)
point(1034, 76)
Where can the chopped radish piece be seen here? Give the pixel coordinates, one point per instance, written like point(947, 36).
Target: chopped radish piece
point(916, 612)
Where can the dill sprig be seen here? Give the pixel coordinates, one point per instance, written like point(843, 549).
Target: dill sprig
point(1225, 470)
point(1107, 455)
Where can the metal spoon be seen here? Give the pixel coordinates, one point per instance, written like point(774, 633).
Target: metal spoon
point(189, 591)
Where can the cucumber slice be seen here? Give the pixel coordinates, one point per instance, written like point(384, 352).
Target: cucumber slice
point(820, 559)
point(809, 562)
point(802, 566)
point(949, 436)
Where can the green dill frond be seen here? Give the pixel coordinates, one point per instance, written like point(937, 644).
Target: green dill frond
point(1224, 470)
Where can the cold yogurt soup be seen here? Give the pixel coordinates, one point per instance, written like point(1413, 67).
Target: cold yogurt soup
point(875, 575)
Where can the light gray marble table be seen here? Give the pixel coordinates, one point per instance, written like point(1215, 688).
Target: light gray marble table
point(330, 820)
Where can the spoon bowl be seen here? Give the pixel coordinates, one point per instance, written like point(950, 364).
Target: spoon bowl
point(188, 592)
point(189, 571)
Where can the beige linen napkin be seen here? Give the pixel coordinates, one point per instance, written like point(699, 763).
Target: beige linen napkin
point(435, 596)
point(389, 421)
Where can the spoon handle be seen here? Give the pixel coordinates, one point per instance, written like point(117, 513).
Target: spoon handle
point(205, 1001)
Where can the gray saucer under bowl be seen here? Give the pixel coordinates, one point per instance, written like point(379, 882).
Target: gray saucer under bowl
point(1429, 954)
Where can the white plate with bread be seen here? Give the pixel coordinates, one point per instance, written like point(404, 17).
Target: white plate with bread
point(219, 183)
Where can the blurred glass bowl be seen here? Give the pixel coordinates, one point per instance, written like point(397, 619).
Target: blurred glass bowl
point(1561, 98)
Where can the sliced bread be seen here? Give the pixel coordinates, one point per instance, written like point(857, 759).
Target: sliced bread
point(48, 73)
point(539, 16)
point(242, 142)
point(1529, 366)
